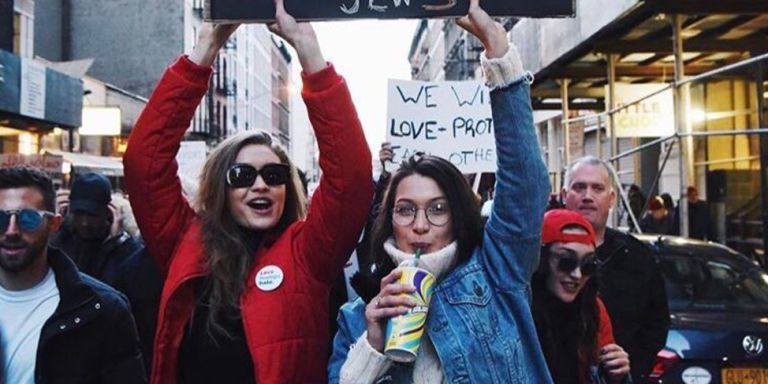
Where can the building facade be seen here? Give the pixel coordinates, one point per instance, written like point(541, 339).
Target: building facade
point(139, 45)
point(36, 99)
point(704, 126)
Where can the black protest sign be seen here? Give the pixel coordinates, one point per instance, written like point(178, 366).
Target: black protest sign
point(264, 10)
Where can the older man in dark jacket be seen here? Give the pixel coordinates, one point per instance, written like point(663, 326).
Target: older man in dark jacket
point(56, 325)
point(631, 284)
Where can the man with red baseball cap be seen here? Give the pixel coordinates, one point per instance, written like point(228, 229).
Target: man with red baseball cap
point(658, 219)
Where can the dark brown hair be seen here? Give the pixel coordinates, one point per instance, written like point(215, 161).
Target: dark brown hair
point(23, 176)
point(226, 244)
point(583, 325)
point(465, 212)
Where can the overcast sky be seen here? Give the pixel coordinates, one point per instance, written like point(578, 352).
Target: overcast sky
point(368, 53)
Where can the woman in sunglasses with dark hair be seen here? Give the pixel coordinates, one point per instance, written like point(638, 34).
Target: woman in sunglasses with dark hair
point(247, 275)
point(573, 326)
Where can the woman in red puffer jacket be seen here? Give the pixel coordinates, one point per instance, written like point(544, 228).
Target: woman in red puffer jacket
point(247, 272)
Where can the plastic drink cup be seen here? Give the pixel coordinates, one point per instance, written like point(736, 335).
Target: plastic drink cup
point(404, 332)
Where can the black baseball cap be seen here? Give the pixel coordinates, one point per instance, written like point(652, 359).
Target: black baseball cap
point(91, 193)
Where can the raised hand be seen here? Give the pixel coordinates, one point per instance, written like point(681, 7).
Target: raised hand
point(301, 36)
point(386, 153)
point(489, 32)
point(210, 39)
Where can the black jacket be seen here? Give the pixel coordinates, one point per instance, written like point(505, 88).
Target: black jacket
point(91, 337)
point(105, 261)
point(664, 226)
point(632, 288)
point(140, 281)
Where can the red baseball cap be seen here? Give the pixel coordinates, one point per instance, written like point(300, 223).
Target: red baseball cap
point(558, 219)
point(656, 203)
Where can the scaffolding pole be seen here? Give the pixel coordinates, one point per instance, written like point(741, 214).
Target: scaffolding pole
point(763, 150)
point(612, 58)
point(566, 124)
point(599, 137)
point(682, 126)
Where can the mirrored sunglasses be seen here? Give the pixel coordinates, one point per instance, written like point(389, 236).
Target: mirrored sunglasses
point(26, 219)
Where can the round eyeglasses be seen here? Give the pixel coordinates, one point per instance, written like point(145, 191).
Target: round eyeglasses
point(438, 214)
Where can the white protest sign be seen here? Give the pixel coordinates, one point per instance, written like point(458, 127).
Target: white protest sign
point(450, 119)
point(653, 117)
point(191, 158)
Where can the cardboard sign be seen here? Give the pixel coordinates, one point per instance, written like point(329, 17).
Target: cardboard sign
point(449, 119)
point(264, 10)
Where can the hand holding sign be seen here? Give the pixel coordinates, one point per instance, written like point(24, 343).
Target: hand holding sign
point(301, 36)
point(210, 39)
point(263, 11)
point(489, 32)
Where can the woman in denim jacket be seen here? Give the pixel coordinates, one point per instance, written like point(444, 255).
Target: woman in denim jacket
point(479, 328)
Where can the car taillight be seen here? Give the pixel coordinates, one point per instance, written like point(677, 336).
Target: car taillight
point(665, 360)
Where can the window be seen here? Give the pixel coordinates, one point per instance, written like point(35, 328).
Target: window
point(705, 283)
point(23, 34)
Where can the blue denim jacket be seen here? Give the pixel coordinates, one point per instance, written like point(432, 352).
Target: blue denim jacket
point(480, 316)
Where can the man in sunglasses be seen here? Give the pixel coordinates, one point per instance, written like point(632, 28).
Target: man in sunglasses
point(56, 324)
point(631, 284)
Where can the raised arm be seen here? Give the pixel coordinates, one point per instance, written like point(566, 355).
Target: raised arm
point(339, 207)
point(512, 237)
point(150, 160)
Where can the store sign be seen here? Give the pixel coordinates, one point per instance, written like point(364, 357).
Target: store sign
point(32, 89)
point(264, 10)
point(653, 117)
point(449, 119)
point(101, 121)
point(29, 89)
point(48, 163)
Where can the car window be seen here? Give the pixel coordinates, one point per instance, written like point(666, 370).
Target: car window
point(702, 283)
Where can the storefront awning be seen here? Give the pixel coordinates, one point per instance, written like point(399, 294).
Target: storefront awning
point(107, 166)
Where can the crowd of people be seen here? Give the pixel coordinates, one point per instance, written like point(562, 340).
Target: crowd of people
point(239, 283)
point(660, 215)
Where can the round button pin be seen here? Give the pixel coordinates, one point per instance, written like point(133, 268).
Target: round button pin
point(269, 278)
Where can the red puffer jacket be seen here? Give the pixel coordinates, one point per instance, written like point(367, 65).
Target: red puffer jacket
point(287, 328)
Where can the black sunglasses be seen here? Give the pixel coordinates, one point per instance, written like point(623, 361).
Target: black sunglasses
point(26, 219)
point(568, 263)
point(244, 175)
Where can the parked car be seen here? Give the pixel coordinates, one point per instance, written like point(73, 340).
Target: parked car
point(718, 302)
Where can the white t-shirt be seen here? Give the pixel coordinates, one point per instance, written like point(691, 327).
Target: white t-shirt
point(22, 315)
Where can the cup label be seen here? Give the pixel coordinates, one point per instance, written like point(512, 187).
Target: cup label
point(404, 332)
